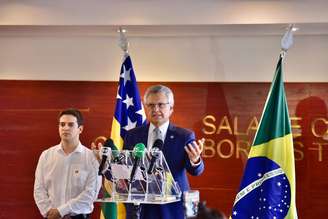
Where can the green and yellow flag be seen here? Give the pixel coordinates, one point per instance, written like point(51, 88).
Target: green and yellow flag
point(267, 188)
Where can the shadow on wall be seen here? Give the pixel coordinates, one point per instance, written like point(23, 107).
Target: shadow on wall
point(311, 144)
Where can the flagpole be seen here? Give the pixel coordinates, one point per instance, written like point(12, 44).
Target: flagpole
point(123, 120)
point(112, 210)
point(123, 41)
point(287, 40)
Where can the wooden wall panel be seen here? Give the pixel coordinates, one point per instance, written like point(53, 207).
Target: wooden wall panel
point(29, 109)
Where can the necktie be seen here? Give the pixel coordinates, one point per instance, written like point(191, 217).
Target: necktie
point(157, 134)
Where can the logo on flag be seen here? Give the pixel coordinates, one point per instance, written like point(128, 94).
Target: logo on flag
point(266, 191)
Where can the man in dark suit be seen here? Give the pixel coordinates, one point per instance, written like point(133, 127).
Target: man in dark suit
point(181, 150)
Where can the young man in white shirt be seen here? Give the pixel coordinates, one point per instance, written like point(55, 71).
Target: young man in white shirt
point(66, 180)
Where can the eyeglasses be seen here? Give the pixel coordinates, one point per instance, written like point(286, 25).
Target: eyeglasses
point(159, 105)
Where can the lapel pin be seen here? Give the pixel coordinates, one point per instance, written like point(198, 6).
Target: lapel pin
point(171, 136)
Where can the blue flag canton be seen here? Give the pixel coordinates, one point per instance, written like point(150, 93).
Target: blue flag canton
point(264, 193)
point(129, 111)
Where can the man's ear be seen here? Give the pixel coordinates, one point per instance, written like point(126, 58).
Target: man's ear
point(171, 110)
point(81, 128)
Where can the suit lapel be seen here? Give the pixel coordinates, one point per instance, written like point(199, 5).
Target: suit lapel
point(170, 137)
point(144, 134)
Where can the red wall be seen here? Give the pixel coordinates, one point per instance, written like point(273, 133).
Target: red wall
point(223, 113)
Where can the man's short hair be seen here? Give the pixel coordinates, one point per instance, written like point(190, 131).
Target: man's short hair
point(160, 89)
point(74, 112)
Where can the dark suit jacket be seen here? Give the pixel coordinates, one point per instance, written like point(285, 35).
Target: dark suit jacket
point(178, 161)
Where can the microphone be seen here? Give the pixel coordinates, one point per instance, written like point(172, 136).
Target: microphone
point(138, 152)
point(157, 147)
point(117, 156)
point(105, 151)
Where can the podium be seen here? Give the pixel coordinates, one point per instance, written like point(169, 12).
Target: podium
point(152, 181)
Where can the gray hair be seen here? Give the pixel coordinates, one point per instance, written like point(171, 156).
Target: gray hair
point(160, 89)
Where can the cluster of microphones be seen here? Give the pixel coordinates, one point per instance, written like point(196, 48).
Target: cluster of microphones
point(109, 149)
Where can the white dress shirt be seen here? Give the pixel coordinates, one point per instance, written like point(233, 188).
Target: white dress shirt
point(69, 183)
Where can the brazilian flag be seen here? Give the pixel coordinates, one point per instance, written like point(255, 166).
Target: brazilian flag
point(267, 188)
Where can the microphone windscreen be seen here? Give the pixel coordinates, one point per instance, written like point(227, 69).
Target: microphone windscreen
point(105, 151)
point(158, 144)
point(109, 143)
point(139, 150)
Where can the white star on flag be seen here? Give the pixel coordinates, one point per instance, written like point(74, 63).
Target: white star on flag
point(125, 75)
point(118, 93)
point(130, 125)
point(128, 101)
point(141, 112)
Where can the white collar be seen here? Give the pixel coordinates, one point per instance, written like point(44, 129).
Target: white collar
point(163, 128)
point(78, 149)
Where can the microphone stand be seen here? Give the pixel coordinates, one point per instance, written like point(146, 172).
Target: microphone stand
point(136, 210)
